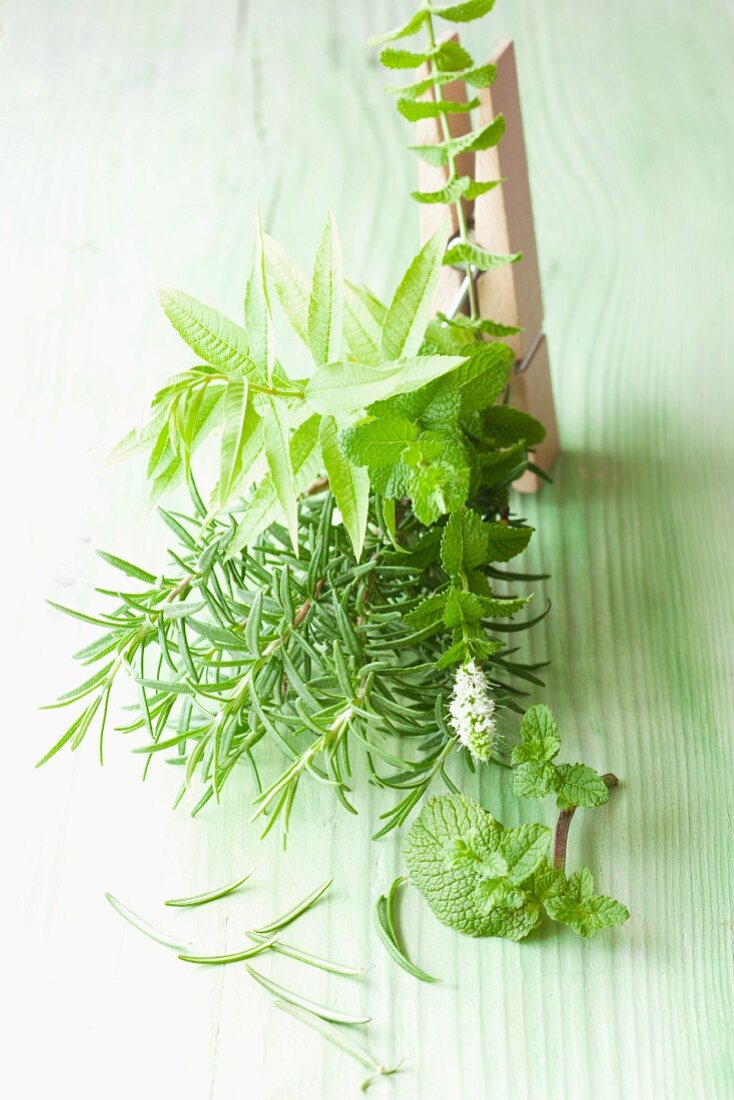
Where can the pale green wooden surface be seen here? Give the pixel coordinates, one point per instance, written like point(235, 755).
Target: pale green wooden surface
point(136, 139)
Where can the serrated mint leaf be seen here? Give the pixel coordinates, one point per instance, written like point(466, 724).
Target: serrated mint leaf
point(407, 316)
point(212, 336)
point(580, 786)
point(428, 613)
point(513, 924)
point(524, 848)
point(465, 253)
point(445, 195)
point(326, 304)
point(507, 425)
point(462, 608)
point(540, 739)
point(451, 57)
point(484, 376)
point(462, 13)
point(549, 881)
point(439, 487)
point(349, 484)
point(496, 608)
point(393, 58)
point(378, 442)
point(415, 109)
point(450, 887)
point(464, 542)
point(505, 541)
point(440, 153)
point(403, 31)
point(535, 780)
point(583, 910)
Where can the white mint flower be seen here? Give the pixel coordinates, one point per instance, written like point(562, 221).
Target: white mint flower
point(472, 711)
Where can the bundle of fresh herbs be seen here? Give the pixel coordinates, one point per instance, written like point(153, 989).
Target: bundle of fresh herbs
point(336, 606)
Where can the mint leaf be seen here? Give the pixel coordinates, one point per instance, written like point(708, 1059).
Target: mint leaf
point(403, 31)
point(580, 786)
point(507, 425)
point(442, 152)
point(471, 870)
point(416, 109)
point(463, 13)
point(378, 442)
point(484, 376)
point(535, 780)
point(506, 541)
point(448, 885)
point(407, 316)
point(428, 613)
point(583, 910)
point(464, 542)
point(466, 253)
point(462, 608)
point(540, 739)
point(524, 848)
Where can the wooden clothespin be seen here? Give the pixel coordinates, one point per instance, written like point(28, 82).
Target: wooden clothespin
point(502, 222)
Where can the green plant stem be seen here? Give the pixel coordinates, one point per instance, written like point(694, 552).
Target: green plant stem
point(458, 206)
point(560, 839)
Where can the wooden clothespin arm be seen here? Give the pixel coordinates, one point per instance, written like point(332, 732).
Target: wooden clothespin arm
point(502, 222)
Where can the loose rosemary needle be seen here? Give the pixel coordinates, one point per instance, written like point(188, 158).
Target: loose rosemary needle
point(210, 895)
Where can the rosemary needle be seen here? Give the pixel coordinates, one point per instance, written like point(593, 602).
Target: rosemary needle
point(388, 935)
point(237, 956)
point(342, 1040)
point(296, 911)
point(310, 960)
point(210, 895)
point(303, 1002)
point(143, 926)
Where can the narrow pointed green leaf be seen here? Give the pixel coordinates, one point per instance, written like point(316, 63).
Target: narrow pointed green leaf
point(263, 508)
point(326, 305)
point(349, 484)
point(298, 910)
point(213, 336)
point(127, 567)
point(257, 309)
point(407, 317)
point(465, 253)
point(316, 961)
point(143, 926)
point(291, 286)
point(362, 330)
point(348, 387)
point(235, 406)
point(234, 957)
point(277, 451)
point(325, 1013)
point(210, 895)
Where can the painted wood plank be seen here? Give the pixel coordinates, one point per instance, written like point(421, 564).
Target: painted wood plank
point(137, 138)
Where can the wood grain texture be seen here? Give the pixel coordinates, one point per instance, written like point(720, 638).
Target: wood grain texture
point(136, 139)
